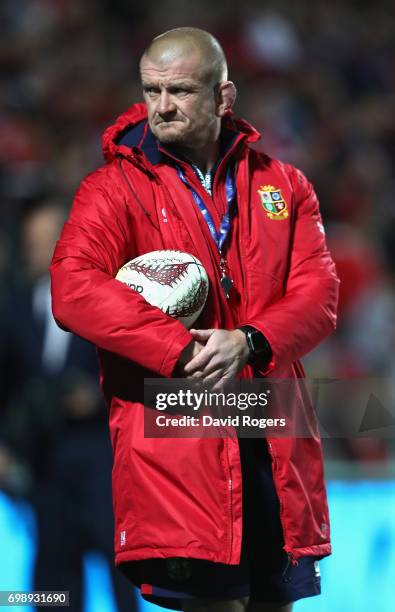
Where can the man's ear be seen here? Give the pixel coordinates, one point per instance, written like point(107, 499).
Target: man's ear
point(226, 96)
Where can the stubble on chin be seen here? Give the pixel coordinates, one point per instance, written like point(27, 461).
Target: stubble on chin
point(168, 136)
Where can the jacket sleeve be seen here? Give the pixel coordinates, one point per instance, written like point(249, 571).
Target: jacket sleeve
point(306, 313)
point(87, 300)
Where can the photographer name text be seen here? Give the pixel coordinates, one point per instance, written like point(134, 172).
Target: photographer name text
point(239, 420)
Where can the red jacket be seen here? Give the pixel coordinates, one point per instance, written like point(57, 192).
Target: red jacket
point(183, 498)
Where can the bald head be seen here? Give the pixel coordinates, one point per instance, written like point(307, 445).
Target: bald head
point(190, 42)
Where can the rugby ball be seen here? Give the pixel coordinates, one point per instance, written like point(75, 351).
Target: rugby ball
point(175, 282)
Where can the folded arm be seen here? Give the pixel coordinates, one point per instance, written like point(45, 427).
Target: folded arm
point(87, 300)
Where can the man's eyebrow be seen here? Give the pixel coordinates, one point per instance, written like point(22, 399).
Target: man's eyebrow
point(175, 83)
point(183, 83)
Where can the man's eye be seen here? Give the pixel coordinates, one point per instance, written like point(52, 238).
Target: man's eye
point(179, 91)
point(151, 91)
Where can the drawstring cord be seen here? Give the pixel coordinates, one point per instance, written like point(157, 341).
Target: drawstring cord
point(134, 194)
point(290, 561)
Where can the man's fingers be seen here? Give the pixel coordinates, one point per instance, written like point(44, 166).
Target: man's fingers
point(199, 362)
point(211, 366)
point(222, 385)
point(220, 353)
point(201, 335)
point(213, 378)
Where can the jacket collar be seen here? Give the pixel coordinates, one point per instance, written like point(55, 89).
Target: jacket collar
point(131, 130)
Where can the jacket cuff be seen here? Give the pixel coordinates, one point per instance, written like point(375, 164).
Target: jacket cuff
point(172, 356)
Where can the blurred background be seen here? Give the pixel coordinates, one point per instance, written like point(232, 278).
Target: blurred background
point(318, 79)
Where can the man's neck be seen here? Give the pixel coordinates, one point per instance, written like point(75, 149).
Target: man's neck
point(204, 158)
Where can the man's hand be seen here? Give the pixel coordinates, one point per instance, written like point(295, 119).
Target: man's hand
point(225, 353)
point(189, 353)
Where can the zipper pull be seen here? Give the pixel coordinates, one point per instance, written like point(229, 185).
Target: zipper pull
point(226, 281)
point(291, 561)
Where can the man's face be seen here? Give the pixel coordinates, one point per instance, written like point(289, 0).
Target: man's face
point(39, 234)
point(181, 105)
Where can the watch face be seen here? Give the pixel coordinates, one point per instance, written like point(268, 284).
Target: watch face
point(258, 343)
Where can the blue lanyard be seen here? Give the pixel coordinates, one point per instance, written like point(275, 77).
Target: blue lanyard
point(224, 229)
point(225, 225)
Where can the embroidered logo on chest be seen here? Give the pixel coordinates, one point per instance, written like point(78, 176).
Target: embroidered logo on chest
point(273, 202)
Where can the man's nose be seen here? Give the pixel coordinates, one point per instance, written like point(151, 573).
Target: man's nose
point(166, 103)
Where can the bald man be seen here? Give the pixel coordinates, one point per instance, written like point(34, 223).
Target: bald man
point(203, 524)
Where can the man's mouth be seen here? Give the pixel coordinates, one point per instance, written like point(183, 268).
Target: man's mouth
point(167, 121)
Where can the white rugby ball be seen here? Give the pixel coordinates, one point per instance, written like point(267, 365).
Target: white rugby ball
point(175, 282)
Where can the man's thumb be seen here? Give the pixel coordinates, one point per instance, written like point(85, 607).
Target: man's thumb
point(202, 335)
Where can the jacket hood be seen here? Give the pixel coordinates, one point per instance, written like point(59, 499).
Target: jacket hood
point(131, 130)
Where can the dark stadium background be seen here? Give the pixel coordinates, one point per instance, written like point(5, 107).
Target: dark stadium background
point(318, 78)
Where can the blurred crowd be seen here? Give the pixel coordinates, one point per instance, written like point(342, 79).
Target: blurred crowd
point(316, 78)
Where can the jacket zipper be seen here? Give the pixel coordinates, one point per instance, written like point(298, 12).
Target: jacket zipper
point(231, 516)
point(241, 242)
point(233, 148)
point(204, 195)
point(230, 494)
point(218, 194)
point(291, 556)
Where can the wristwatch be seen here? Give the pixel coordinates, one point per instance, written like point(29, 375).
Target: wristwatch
point(260, 349)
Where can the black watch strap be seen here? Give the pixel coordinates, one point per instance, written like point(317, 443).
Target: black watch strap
point(260, 349)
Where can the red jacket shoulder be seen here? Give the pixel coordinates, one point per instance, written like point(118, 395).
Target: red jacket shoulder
point(293, 175)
